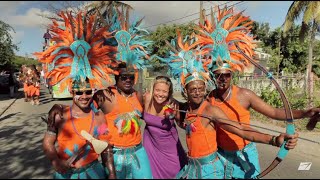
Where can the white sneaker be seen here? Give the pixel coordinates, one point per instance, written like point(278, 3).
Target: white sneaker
point(32, 102)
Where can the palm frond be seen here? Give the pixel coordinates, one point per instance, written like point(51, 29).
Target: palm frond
point(310, 12)
point(317, 16)
point(296, 8)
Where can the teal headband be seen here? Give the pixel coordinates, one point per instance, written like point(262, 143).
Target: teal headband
point(194, 77)
point(80, 86)
point(224, 66)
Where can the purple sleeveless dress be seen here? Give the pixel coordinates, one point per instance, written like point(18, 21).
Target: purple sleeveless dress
point(164, 149)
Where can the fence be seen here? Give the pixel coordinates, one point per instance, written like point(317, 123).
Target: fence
point(253, 83)
point(256, 84)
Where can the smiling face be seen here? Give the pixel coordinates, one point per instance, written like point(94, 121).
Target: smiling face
point(223, 78)
point(196, 91)
point(82, 98)
point(160, 92)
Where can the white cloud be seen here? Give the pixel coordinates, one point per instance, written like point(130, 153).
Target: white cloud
point(181, 12)
point(9, 7)
point(17, 36)
point(157, 12)
point(30, 19)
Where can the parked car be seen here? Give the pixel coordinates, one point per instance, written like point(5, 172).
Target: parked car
point(4, 84)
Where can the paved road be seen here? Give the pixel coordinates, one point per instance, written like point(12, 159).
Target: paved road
point(21, 155)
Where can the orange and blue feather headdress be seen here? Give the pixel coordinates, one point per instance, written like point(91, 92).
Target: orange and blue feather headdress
point(130, 41)
point(186, 64)
point(217, 37)
point(79, 52)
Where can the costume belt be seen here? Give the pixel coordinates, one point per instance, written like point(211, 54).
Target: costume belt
point(195, 165)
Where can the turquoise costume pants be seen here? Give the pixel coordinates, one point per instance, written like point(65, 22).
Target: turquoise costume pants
point(207, 167)
point(241, 164)
point(94, 170)
point(132, 163)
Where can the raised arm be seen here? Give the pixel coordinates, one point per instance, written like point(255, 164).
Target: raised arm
point(256, 103)
point(103, 99)
point(249, 133)
point(179, 117)
point(57, 109)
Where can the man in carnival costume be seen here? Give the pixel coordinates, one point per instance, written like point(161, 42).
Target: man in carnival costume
point(217, 42)
point(120, 103)
point(81, 63)
point(202, 118)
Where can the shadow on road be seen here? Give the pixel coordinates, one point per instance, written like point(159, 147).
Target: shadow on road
point(23, 157)
point(8, 116)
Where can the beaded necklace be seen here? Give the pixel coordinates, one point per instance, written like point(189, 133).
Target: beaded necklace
point(75, 129)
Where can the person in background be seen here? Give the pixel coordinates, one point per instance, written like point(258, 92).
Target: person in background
point(12, 83)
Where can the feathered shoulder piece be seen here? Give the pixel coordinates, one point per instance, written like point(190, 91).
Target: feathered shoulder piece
point(79, 52)
point(129, 40)
point(184, 61)
point(217, 38)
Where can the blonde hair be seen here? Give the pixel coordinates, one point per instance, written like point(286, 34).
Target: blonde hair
point(161, 79)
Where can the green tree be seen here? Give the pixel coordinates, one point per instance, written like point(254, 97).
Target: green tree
point(287, 53)
point(18, 61)
point(294, 52)
point(261, 31)
point(309, 26)
point(7, 47)
point(163, 33)
point(316, 63)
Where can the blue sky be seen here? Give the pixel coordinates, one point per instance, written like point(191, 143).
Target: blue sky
point(30, 27)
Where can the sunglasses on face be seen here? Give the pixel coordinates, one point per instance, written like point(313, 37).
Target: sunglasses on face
point(226, 75)
point(79, 93)
point(197, 90)
point(125, 77)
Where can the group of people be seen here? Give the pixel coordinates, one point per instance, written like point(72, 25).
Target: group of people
point(218, 145)
point(30, 78)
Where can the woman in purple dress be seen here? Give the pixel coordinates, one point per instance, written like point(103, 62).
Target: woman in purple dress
point(160, 138)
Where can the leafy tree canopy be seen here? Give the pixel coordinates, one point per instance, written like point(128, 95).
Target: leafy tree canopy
point(6, 46)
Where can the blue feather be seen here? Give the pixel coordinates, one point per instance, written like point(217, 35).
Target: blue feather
point(80, 68)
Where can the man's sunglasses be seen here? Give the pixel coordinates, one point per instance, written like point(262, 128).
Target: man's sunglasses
point(79, 93)
point(125, 77)
point(226, 75)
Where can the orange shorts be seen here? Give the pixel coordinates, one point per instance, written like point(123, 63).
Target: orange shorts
point(25, 87)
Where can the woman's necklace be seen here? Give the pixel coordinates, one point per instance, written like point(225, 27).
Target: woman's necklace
point(75, 129)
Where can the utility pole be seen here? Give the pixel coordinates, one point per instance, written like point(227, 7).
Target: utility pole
point(278, 63)
point(201, 20)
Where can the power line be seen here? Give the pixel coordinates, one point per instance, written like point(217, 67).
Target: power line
point(237, 3)
point(183, 17)
point(211, 3)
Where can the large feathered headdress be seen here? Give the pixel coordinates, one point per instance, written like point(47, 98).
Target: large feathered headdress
point(79, 52)
point(186, 64)
point(129, 40)
point(217, 38)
